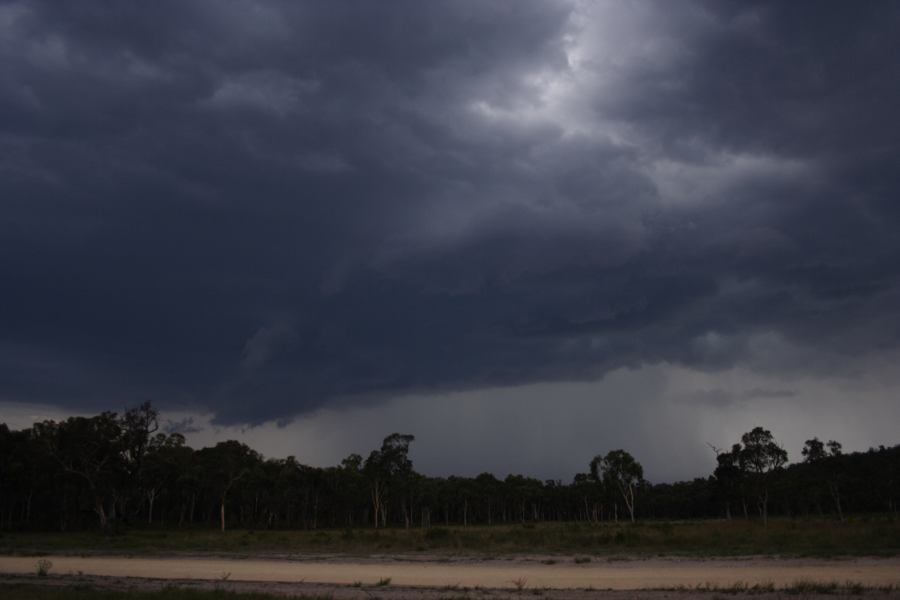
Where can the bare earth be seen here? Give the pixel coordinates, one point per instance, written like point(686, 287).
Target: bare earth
point(498, 574)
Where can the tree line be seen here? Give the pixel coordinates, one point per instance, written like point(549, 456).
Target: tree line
point(111, 471)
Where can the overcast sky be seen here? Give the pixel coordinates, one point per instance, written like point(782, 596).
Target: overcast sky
point(526, 231)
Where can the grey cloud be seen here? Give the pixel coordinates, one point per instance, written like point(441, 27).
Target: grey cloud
point(183, 426)
point(720, 398)
point(768, 393)
point(716, 398)
point(261, 346)
point(261, 209)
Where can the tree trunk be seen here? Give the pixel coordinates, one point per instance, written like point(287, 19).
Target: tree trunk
point(376, 501)
point(63, 521)
point(151, 497)
point(112, 516)
point(101, 513)
point(315, 523)
point(222, 513)
point(628, 497)
point(836, 496)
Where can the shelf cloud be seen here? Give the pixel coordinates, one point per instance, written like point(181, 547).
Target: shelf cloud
point(264, 210)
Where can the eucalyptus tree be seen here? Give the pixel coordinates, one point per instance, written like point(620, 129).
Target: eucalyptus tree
point(90, 448)
point(730, 477)
point(165, 461)
point(22, 471)
point(619, 470)
point(584, 486)
point(462, 489)
point(489, 491)
point(815, 454)
point(760, 456)
point(138, 426)
point(350, 489)
point(387, 467)
point(223, 466)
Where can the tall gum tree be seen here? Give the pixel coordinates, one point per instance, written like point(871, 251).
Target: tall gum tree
point(92, 450)
point(815, 454)
point(386, 467)
point(226, 464)
point(760, 456)
point(619, 470)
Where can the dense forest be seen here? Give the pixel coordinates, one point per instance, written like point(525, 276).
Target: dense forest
point(112, 471)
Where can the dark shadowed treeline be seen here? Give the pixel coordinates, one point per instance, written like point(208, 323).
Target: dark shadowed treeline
point(110, 471)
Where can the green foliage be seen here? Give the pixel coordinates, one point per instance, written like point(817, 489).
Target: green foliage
point(118, 473)
point(761, 453)
point(619, 471)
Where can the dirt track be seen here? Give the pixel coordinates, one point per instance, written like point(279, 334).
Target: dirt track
point(632, 575)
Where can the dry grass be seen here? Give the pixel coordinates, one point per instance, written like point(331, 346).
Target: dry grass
point(819, 538)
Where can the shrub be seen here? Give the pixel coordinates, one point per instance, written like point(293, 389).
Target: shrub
point(43, 567)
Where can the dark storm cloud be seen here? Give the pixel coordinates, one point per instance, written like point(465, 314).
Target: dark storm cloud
point(182, 426)
point(261, 208)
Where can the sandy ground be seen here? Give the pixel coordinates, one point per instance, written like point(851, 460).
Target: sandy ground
point(598, 574)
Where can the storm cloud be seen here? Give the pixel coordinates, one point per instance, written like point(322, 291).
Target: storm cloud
point(260, 210)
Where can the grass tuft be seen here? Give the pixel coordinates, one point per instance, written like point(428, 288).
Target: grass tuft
point(43, 567)
point(520, 583)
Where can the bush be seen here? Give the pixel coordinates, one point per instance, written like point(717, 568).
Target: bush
point(43, 567)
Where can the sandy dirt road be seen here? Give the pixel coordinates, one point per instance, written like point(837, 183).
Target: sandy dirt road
point(632, 575)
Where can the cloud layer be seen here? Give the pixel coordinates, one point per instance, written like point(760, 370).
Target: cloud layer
point(260, 209)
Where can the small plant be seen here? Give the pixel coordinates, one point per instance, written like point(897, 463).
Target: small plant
point(225, 576)
point(580, 560)
point(548, 561)
point(384, 581)
point(520, 583)
point(356, 584)
point(43, 567)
